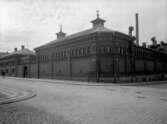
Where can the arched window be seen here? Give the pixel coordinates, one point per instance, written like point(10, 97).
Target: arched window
point(72, 52)
point(83, 51)
point(110, 49)
point(80, 53)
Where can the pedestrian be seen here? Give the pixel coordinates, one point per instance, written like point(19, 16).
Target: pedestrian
point(3, 74)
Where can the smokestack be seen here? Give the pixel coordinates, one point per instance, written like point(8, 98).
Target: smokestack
point(137, 29)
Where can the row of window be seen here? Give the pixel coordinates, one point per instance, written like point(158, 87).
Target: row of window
point(123, 50)
point(66, 53)
point(82, 52)
point(142, 53)
point(44, 58)
point(8, 70)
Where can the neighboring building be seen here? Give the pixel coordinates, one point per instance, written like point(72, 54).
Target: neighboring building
point(162, 47)
point(96, 54)
point(17, 63)
point(3, 54)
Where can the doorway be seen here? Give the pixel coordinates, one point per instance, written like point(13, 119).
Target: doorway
point(25, 71)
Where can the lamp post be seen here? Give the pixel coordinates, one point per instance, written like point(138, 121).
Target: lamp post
point(70, 63)
point(97, 69)
point(95, 62)
point(116, 65)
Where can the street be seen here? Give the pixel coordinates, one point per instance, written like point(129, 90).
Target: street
point(82, 104)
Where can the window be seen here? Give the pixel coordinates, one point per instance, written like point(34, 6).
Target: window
point(13, 70)
point(84, 51)
point(108, 49)
point(72, 52)
point(103, 49)
point(88, 50)
point(64, 53)
point(119, 50)
point(79, 50)
point(76, 52)
point(58, 54)
point(124, 52)
point(94, 48)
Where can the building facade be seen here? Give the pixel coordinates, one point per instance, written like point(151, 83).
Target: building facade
point(96, 54)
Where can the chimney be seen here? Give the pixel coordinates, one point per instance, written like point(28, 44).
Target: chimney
point(137, 29)
point(15, 49)
point(154, 41)
point(131, 28)
point(22, 47)
point(162, 42)
point(144, 44)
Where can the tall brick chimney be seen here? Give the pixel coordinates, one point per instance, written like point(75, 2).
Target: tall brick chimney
point(137, 29)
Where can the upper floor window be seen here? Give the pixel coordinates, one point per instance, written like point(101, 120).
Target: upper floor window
point(88, 50)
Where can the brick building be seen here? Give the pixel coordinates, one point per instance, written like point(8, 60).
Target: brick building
point(96, 54)
point(17, 63)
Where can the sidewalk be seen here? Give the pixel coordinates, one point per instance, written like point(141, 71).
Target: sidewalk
point(84, 83)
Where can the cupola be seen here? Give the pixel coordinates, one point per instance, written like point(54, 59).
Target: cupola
point(60, 34)
point(98, 22)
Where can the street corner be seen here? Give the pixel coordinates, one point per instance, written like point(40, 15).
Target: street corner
point(11, 95)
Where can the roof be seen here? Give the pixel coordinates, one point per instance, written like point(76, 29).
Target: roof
point(82, 33)
point(23, 52)
point(3, 54)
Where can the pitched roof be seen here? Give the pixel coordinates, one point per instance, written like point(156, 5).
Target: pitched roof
point(22, 52)
point(3, 54)
point(82, 33)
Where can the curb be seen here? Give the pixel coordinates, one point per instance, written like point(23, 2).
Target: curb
point(82, 83)
point(20, 95)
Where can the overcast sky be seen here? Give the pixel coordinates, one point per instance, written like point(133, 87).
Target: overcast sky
point(35, 22)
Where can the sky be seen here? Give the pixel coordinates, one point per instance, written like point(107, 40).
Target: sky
point(35, 22)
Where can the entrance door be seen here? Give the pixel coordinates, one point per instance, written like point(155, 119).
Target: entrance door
point(25, 71)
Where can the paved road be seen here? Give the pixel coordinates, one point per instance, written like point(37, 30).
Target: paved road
point(97, 104)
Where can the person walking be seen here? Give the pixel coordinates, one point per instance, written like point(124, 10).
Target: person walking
point(3, 74)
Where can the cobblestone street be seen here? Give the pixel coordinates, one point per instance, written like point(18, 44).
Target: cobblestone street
point(83, 104)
